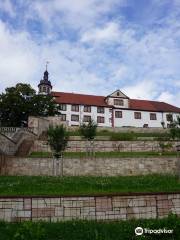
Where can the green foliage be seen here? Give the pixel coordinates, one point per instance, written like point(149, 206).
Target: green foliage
point(41, 185)
point(88, 131)
point(96, 230)
point(20, 102)
point(175, 129)
point(29, 231)
point(58, 139)
point(129, 136)
point(165, 146)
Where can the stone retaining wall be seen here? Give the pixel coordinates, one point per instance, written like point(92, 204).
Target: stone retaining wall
point(106, 146)
point(91, 167)
point(114, 207)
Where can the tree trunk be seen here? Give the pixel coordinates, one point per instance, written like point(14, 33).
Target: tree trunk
point(87, 148)
point(61, 165)
point(178, 164)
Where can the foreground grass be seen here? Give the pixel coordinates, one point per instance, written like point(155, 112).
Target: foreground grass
point(84, 230)
point(28, 185)
point(105, 154)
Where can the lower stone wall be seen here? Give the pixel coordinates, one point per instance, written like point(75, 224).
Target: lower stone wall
point(91, 166)
point(115, 207)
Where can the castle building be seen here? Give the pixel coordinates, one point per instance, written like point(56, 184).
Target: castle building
point(114, 110)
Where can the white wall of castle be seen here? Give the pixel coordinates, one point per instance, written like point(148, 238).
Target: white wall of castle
point(126, 120)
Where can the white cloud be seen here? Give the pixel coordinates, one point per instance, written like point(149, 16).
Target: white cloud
point(110, 32)
point(141, 90)
point(77, 14)
point(166, 97)
point(18, 58)
point(145, 64)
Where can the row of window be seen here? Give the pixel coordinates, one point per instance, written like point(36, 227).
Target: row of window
point(75, 108)
point(118, 114)
point(137, 115)
point(75, 118)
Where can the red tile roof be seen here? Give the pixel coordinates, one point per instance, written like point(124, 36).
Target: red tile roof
point(74, 98)
point(135, 104)
point(152, 106)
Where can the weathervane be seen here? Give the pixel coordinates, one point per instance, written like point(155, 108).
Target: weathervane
point(47, 64)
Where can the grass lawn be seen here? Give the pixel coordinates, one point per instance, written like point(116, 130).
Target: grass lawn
point(89, 230)
point(28, 185)
point(106, 154)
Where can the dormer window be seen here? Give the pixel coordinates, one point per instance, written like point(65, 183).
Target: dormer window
point(118, 102)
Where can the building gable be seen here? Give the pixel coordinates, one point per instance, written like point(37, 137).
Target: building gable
point(118, 94)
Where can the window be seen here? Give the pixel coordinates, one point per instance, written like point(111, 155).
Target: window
point(153, 116)
point(63, 107)
point(100, 109)
point(118, 114)
point(169, 117)
point(118, 102)
point(87, 108)
point(63, 117)
point(117, 94)
point(86, 118)
point(100, 119)
point(75, 118)
point(137, 115)
point(75, 108)
point(44, 89)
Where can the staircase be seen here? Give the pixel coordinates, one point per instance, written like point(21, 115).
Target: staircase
point(43, 136)
point(24, 148)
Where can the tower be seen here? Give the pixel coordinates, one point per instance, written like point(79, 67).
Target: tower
point(45, 86)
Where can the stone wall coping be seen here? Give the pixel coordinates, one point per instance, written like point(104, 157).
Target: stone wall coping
point(91, 195)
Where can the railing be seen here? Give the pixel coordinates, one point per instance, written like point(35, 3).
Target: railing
point(8, 129)
point(14, 130)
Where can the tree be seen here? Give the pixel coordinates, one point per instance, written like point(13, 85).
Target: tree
point(88, 132)
point(175, 134)
point(175, 129)
point(20, 102)
point(58, 139)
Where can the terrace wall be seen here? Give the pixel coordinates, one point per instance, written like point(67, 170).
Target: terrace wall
point(91, 166)
point(106, 146)
point(111, 207)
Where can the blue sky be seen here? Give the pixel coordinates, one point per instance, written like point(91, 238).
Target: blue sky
point(93, 46)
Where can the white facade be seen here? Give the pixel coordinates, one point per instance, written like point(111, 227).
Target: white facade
point(118, 112)
point(106, 115)
point(128, 119)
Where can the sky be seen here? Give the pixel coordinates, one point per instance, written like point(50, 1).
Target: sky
point(93, 46)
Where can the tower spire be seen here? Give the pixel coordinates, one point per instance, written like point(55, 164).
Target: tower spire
point(45, 86)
